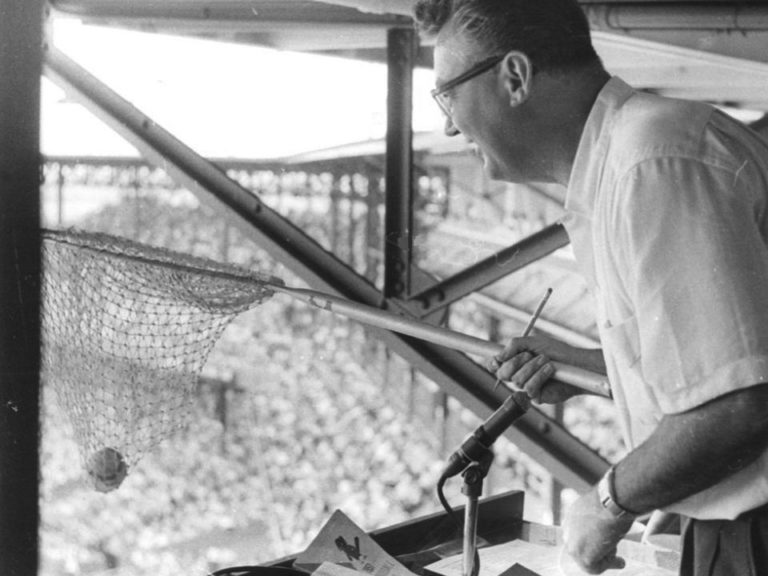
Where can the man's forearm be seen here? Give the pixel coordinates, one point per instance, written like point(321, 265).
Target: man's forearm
point(694, 450)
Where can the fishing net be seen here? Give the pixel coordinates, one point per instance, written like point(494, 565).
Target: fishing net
point(126, 330)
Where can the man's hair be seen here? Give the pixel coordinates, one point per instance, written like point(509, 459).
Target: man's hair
point(553, 33)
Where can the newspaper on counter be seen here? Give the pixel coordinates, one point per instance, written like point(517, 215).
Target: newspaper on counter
point(497, 560)
point(519, 557)
point(331, 569)
point(344, 543)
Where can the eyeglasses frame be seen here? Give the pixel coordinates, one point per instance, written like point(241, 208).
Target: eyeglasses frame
point(472, 72)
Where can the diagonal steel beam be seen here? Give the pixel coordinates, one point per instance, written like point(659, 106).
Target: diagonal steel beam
point(504, 310)
point(491, 269)
point(572, 462)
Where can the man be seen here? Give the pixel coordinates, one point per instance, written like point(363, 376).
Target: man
point(667, 212)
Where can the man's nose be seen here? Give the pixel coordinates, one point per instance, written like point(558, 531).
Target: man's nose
point(450, 128)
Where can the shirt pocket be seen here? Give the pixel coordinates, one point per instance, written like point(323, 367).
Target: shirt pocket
point(635, 402)
point(622, 342)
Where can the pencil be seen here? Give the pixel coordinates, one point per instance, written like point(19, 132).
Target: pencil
point(537, 312)
point(532, 321)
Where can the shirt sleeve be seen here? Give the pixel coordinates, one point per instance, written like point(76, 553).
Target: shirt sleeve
point(694, 265)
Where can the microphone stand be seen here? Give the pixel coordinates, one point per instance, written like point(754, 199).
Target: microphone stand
point(473, 460)
point(472, 488)
point(475, 456)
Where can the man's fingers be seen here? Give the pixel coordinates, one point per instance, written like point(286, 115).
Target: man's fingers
point(527, 372)
point(609, 562)
point(616, 563)
point(510, 368)
point(534, 386)
point(515, 347)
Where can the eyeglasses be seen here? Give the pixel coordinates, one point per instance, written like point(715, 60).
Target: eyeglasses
point(440, 94)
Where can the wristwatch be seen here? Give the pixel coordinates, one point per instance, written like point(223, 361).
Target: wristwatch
point(607, 498)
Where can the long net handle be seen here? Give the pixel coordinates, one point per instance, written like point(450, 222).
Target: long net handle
point(583, 379)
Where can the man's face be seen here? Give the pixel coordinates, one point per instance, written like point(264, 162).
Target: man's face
point(479, 108)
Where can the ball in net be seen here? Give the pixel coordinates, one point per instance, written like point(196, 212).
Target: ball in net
point(107, 469)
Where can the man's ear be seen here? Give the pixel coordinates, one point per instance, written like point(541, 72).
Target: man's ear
point(517, 76)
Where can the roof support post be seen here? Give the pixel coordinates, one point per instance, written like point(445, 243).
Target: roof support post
point(20, 66)
point(398, 199)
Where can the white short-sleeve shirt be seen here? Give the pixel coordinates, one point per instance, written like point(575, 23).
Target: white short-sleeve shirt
point(667, 211)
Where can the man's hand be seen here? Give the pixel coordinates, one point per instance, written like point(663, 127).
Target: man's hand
point(526, 363)
point(591, 534)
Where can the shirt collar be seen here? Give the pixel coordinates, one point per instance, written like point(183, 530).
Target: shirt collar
point(590, 156)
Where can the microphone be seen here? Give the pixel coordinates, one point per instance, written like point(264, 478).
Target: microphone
point(477, 444)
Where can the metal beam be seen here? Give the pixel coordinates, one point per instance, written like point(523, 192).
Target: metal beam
point(734, 16)
point(566, 457)
point(735, 29)
point(493, 268)
point(720, 16)
point(504, 310)
point(21, 40)
point(398, 191)
point(257, 13)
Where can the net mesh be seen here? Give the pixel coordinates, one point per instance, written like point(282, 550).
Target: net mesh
point(126, 330)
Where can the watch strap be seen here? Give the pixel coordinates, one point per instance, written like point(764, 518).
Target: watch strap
point(607, 498)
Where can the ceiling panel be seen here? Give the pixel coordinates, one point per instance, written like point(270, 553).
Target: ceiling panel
point(684, 72)
point(706, 50)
